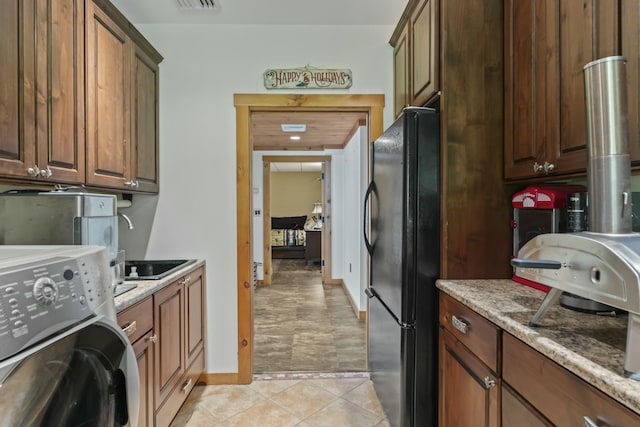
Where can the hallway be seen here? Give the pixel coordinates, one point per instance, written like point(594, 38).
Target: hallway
point(301, 325)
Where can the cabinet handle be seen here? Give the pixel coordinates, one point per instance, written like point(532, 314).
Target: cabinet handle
point(185, 387)
point(153, 338)
point(537, 167)
point(548, 167)
point(132, 184)
point(46, 173)
point(185, 280)
point(130, 328)
point(460, 324)
point(34, 171)
point(489, 382)
point(588, 422)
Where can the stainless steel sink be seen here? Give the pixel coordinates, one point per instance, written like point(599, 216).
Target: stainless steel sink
point(153, 269)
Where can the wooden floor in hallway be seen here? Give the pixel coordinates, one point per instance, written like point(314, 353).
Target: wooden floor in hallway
point(303, 325)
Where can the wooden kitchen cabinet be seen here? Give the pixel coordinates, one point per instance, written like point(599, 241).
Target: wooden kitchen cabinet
point(541, 383)
point(547, 44)
point(518, 412)
point(179, 319)
point(137, 322)
point(630, 33)
point(42, 90)
point(122, 103)
point(415, 55)
point(469, 384)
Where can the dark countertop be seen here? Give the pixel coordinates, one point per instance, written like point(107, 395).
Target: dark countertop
point(590, 346)
point(148, 287)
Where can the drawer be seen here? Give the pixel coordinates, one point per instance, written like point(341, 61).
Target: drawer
point(137, 320)
point(544, 383)
point(474, 331)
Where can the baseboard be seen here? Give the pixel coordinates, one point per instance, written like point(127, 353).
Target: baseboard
point(361, 315)
point(219, 379)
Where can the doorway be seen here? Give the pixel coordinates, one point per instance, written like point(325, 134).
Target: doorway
point(245, 104)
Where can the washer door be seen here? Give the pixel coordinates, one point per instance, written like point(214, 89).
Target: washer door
point(80, 378)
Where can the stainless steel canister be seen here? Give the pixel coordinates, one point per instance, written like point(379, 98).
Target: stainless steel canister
point(609, 164)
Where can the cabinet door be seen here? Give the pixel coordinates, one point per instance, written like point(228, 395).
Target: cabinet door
point(578, 32)
point(468, 390)
point(144, 351)
point(424, 52)
point(518, 412)
point(524, 77)
point(108, 95)
point(144, 144)
point(60, 88)
point(630, 31)
point(401, 73)
point(17, 88)
point(168, 322)
point(195, 309)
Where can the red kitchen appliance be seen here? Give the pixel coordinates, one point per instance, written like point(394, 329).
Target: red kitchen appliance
point(539, 209)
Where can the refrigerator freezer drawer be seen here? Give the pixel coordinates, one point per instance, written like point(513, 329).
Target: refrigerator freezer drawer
point(474, 331)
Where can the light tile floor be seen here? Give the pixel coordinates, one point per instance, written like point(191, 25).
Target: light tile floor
point(321, 400)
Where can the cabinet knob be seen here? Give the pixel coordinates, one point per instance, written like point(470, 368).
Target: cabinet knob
point(46, 173)
point(548, 167)
point(153, 338)
point(489, 382)
point(34, 171)
point(537, 167)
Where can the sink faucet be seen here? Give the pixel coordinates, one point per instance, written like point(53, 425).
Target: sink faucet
point(126, 218)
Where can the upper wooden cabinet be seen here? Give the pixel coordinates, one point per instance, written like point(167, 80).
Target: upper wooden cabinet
point(51, 129)
point(122, 104)
point(42, 90)
point(415, 55)
point(547, 44)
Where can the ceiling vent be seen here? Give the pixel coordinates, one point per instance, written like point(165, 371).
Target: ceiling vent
point(196, 4)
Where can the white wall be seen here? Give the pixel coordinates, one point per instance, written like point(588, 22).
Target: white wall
point(195, 214)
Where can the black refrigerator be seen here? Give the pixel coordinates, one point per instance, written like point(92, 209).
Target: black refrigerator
point(402, 235)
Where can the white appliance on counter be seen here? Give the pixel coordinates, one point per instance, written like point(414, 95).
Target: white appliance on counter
point(63, 358)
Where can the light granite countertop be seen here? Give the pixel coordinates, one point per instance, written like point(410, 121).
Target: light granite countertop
point(590, 346)
point(147, 287)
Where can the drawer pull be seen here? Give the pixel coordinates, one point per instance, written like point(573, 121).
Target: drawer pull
point(130, 328)
point(186, 280)
point(489, 382)
point(153, 338)
point(588, 422)
point(460, 324)
point(185, 387)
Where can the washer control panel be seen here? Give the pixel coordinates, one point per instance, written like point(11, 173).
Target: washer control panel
point(39, 299)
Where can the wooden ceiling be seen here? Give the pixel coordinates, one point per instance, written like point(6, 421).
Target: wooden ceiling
point(325, 129)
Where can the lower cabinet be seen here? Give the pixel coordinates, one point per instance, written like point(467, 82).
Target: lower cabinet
point(523, 388)
point(167, 333)
point(178, 313)
point(469, 384)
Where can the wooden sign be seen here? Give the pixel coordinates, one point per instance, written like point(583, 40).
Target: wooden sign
point(307, 78)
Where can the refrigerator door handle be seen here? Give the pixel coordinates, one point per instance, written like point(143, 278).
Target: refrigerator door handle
point(371, 293)
point(370, 189)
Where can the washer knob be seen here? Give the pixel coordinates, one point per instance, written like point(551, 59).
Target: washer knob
point(45, 291)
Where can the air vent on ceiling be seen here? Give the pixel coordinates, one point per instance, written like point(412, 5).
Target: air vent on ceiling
point(196, 4)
